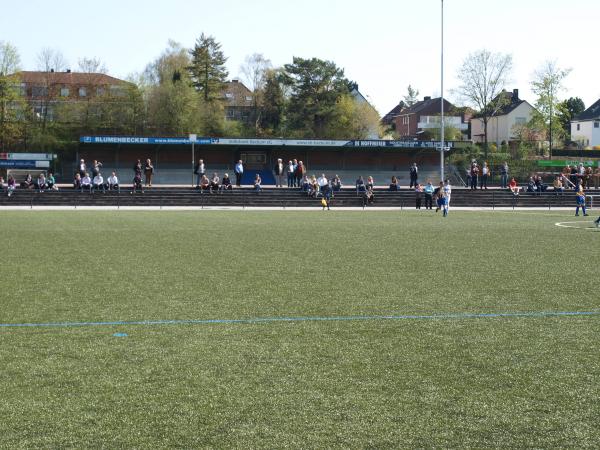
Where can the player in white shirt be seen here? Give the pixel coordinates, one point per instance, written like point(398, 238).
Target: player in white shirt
point(448, 191)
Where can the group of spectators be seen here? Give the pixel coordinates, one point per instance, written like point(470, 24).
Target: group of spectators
point(83, 181)
point(42, 183)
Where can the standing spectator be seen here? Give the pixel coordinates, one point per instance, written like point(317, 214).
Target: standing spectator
point(418, 195)
point(113, 183)
point(573, 174)
point(214, 183)
point(429, 195)
point(485, 172)
point(414, 175)
point(468, 173)
point(149, 172)
point(589, 173)
point(474, 175)
point(86, 183)
point(300, 172)
point(279, 173)
point(225, 184)
point(96, 168)
point(41, 182)
point(137, 168)
point(2, 184)
point(291, 175)
point(504, 175)
point(394, 184)
point(82, 168)
point(98, 183)
point(597, 178)
point(257, 183)
point(360, 185)
point(294, 181)
point(200, 171)
point(239, 173)
point(137, 184)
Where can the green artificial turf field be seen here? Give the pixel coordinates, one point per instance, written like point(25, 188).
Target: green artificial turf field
point(449, 381)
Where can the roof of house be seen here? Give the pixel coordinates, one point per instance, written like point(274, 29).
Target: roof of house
point(592, 113)
point(509, 101)
point(68, 78)
point(387, 119)
point(424, 104)
point(237, 94)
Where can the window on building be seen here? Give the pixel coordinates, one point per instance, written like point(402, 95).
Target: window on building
point(596, 124)
point(520, 120)
point(99, 91)
point(230, 113)
point(228, 95)
point(64, 92)
point(248, 98)
point(578, 127)
point(82, 92)
point(23, 89)
point(39, 91)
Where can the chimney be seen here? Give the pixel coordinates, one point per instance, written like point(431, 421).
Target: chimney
point(426, 99)
point(51, 70)
point(235, 80)
point(515, 97)
point(68, 70)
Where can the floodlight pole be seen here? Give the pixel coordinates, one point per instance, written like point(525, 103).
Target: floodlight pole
point(442, 131)
point(193, 162)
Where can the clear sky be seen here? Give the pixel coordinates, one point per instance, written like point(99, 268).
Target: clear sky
point(383, 45)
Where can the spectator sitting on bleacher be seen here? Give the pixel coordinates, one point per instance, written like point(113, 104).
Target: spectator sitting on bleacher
point(214, 183)
point(137, 183)
point(257, 183)
point(558, 186)
point(113, 183)
point(371, 182)
point(336, 184)
point(226, 184)
point(51, 182)
point(204, 183)
point(539, 183)
point(305, 184)
point(98, 183)
point(360, 185)
point(514, 188)
point(531, 187)
point(41, 182)
point(77, 181)
point(27, 182)
point(322, 181)
point(11, 185)
point(394, 184)
point(368, 197)
point(86, 183)
point(313, 189)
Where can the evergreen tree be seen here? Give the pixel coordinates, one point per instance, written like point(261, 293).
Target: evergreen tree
point(207, 69)
point(567, 111)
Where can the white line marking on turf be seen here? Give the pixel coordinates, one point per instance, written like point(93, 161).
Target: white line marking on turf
point(577, 225)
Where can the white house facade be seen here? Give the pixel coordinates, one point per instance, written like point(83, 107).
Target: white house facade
point(585, 129)
point(504, 125)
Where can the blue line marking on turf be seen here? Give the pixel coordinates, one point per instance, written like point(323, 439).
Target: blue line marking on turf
point(120, 335)
point(458, 316)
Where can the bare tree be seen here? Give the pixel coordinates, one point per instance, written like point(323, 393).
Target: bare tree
point(254, 71)
point(49, 60)
point(412, 96)
point(91, 65)
point(483, 76)
point(10, 60)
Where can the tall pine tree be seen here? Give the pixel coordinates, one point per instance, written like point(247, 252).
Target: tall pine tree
point(207, 70)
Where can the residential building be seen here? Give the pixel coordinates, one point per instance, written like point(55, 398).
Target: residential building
point(414, 122)
point(388, 119)
point(503, 126)
point(45, 90)
point(362, 100)
point(239, 102)
point(585, 128)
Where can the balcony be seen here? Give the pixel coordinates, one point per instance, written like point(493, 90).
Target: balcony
point(428, 122)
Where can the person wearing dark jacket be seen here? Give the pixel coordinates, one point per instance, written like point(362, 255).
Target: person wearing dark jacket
point(279, 170)
point(414, 175)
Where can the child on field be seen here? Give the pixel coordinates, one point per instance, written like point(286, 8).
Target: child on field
point(580, 201)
